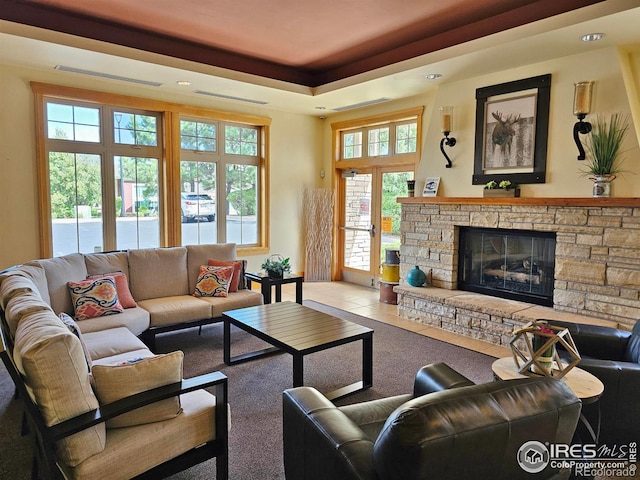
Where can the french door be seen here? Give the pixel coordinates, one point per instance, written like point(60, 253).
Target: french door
point(369, 220)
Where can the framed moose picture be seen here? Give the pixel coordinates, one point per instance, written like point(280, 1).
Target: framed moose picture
point(512, 122)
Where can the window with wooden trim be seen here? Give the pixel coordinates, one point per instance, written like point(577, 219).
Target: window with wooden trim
point(105, 165)
point(228, 212)
point(379, 140)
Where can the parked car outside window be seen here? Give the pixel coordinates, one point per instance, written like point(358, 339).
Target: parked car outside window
point(197, 205)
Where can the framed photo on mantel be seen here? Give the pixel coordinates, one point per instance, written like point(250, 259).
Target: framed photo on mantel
point(431, 187)
point(512, 123)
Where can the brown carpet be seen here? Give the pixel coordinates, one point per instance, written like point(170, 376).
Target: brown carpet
point(255, 389)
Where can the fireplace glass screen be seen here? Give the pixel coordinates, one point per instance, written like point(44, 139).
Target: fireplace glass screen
point(514, 264)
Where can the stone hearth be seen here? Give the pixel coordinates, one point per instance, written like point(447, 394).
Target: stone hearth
point(597, 270)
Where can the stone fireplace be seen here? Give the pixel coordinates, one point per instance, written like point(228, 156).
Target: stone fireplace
point(515, 264)
point(596, 262)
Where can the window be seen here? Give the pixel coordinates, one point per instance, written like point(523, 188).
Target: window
point(82, 159)
point(202, 168)
point(385, 136)
point(114, 178)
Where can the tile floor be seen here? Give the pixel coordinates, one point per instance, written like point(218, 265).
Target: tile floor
point(366, 302)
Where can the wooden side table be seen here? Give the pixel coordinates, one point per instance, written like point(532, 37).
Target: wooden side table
point(267, 282)
point(584, 385)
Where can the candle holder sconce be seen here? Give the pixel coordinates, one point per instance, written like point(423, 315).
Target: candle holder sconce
point(581, 107)
point(446, 122)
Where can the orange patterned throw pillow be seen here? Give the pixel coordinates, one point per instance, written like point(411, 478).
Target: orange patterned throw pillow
point(122, 287)
point(94, 298)
point(213, 281)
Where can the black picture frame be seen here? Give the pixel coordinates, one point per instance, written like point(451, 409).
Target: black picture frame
point(539, 86)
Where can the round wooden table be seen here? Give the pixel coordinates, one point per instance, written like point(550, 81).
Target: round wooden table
point(587, 387)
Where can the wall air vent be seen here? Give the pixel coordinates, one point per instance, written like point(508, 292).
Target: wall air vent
point(229, 97)
point(109, 76)
point(361, 104)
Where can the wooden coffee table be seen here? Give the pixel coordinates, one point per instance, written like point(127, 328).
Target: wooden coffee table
point(299, 331)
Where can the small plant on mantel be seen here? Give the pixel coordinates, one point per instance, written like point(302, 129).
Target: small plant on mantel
point(505, 188)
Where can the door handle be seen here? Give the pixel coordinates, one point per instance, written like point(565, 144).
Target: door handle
point(372, 229)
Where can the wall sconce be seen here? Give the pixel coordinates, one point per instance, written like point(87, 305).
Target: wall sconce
point(581, 108)
point(446, 122)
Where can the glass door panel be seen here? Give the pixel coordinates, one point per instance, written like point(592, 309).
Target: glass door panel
point(394, 185)
point(357, 226)
point(370, 221)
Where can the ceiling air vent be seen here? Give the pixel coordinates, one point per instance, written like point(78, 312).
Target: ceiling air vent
point(64, 68)
point(361, 104)
point(229, 97)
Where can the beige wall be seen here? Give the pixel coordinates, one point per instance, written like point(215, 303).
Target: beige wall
point(294, 164)
point(563, 169)
point(301, 145)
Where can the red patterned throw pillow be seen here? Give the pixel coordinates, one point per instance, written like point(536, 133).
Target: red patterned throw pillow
point(94, 298)
point(237, 268)
point(213, 281)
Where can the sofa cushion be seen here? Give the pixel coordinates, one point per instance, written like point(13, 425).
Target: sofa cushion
point(73, 328)
point(213, 281)
point(138, 375)
point(59, 271)
point(22, 305)
point(37, 275)
point(199, 255)
point(239, 299)
point(135, 319)
point(110, 342)
point(237, 271)
point(95, 298)
point(12, 285)
point(178, 309)
point(122, 287)
point(55, 369)
point(103, 263)
point(158, 272)
point(135, 450)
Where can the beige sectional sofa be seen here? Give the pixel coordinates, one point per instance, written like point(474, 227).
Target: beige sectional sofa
point(78, 378)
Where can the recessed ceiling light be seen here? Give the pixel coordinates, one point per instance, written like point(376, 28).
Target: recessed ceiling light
point(320, 108)
point(592, 37)
point(183, 83)
point(433, 76)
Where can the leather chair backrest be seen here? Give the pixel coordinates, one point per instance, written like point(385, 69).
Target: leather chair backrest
point(475, 431)
point(632, 353)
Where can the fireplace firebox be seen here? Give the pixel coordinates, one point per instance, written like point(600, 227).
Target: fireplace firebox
point(513, 264)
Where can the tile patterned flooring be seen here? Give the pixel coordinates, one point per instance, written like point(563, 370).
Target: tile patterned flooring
point(366, 302)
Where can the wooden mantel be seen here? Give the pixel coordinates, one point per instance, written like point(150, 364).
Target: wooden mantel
point(542, 201)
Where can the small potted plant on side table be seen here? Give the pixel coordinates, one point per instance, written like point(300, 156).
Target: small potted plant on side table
point(275, 266)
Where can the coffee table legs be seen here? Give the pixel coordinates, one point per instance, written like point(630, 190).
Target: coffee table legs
point(367, 372)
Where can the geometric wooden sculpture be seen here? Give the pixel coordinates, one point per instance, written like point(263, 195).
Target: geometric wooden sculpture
point(523, 350)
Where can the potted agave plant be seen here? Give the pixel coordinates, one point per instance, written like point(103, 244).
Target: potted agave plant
point(603, 147)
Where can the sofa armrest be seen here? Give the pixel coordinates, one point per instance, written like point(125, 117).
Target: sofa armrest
point(595, 340)
point(437, 377)
point(319, 441)
point(106, 412)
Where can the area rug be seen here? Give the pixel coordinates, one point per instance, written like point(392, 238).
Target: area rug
point(255, 388)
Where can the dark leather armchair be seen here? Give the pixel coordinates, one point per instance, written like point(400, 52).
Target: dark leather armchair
point(613, 356)
point(448, 429)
